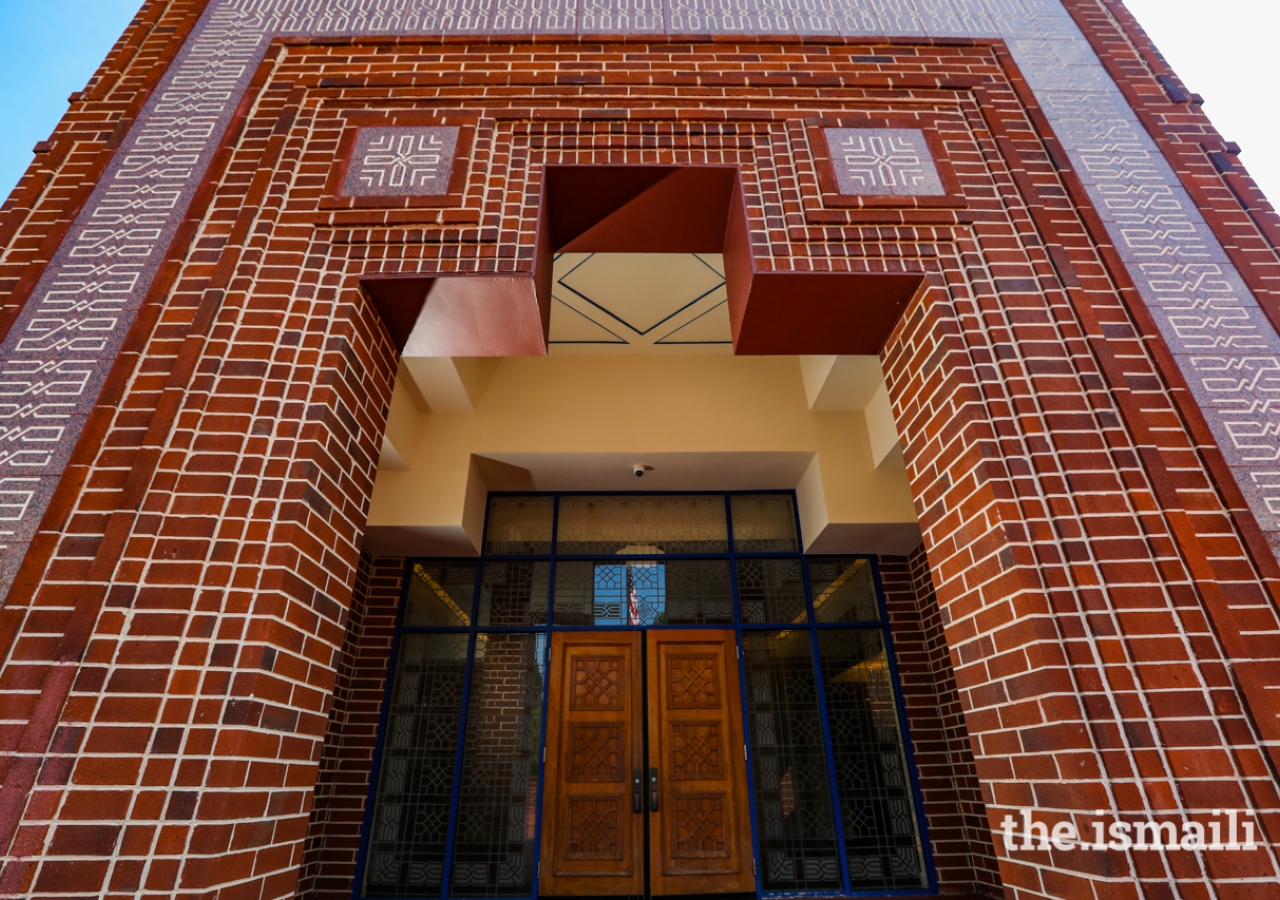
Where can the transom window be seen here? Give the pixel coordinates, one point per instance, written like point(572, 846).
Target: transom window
point(455, 802)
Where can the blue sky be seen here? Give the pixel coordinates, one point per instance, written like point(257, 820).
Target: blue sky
point(49, 48)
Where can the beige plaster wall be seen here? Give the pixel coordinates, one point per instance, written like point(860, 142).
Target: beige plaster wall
point(712, 422)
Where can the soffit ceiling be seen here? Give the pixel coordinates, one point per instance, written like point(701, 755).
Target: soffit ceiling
point(639, 302)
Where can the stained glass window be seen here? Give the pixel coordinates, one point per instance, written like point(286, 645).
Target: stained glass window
point(455, 798)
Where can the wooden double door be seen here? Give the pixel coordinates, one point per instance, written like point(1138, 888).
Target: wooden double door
point(646, 766)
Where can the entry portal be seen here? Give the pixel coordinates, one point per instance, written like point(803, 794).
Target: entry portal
point(685, 787)
point(597, 637)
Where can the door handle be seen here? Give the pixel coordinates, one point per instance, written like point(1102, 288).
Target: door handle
point(653, 790)
point(637, 791)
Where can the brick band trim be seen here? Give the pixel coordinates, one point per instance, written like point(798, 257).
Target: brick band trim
point(39, 730)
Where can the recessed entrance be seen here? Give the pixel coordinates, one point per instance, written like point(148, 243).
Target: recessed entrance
point(642, 739)
point(646, 341)
point(643, 694)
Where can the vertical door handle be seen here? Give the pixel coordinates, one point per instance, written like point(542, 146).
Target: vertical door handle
point(653, 790)
point(637, 791)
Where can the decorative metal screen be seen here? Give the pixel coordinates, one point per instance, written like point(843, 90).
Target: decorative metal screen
point(771, 591)
point(494, 851)
point(881, 831)
point(795, 828)
point(456, 794)
point(514, 592)
point(410, 824)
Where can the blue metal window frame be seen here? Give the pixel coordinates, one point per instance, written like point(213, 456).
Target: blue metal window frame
point(473, 630)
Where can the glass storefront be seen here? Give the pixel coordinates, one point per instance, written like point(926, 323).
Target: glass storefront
point(457, 793)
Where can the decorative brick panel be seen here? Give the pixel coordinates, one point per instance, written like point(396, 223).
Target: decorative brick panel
point(401, 162)
point(872, 162)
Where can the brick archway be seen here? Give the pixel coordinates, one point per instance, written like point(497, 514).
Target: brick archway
point(176, 641)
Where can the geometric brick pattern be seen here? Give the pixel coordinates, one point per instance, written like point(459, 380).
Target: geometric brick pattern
point(883, 161)
point(401, 162)
point(55, 357)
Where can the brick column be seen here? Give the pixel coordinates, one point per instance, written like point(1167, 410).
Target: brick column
point(342, 789)
point(954, 812)
point(184, 758)
point(1090, 674)
point(177, 658)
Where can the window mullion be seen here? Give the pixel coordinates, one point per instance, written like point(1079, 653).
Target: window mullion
point(451, 841)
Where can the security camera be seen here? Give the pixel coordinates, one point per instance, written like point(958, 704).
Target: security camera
point(639, 471)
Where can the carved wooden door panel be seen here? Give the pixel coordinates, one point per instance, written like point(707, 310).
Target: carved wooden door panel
point(699, 831)
point(593, 818)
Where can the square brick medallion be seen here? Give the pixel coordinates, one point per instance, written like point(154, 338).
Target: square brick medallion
point(887, 162)
point(401, 162)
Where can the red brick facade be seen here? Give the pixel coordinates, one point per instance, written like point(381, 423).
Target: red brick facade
point(194, 651)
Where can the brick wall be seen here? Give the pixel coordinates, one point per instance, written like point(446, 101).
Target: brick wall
point(1087, 651)
point(1242, 218)
point(174, 636)
point(342, 784)
point(955, 812)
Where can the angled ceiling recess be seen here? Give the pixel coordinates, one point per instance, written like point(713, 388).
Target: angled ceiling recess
point(647, 302)
point(639, 210)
